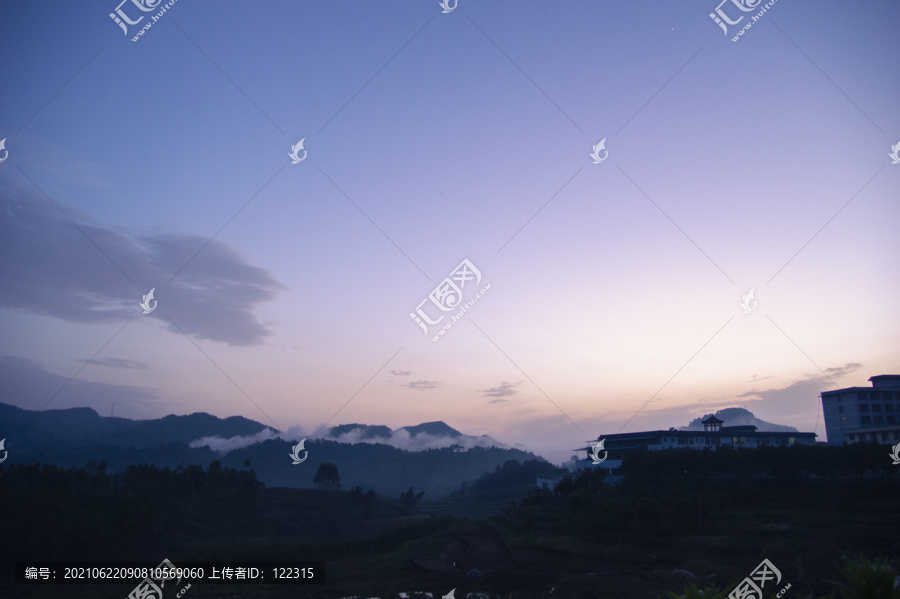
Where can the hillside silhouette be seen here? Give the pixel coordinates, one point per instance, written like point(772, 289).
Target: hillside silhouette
point(680, 518)
point(80, 435)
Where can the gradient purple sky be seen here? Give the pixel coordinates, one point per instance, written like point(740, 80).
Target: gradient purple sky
point(615, 288)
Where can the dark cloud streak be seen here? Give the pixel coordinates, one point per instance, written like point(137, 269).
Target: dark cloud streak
point(28, 385)
point(50, 267)
point(117, 363)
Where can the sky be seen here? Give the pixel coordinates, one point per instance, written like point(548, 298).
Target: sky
point(603, 294)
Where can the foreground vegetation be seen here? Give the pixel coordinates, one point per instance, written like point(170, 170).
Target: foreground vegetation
point(682, 522)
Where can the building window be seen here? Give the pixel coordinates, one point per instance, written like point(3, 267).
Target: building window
point(868, 436)
point(865, 420)
point(891, 419)
point(840, 409)
point(682, 441)
point(876, 407)
point(863, 407)
point(843, 420)
point(888, 407)
point(879, 419)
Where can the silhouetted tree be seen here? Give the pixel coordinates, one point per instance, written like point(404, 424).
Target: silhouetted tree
point(327, 477)
point(411, 498)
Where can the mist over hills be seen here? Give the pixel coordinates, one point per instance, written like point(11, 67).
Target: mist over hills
point(428, 435)
point(431, 456)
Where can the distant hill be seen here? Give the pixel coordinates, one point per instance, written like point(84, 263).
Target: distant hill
point(77, 427)
point(436, 429)
point(368, 431)
point(365, 431)
point(740, 417)
point(431, 457)
point(421, 437)
point(381, 467)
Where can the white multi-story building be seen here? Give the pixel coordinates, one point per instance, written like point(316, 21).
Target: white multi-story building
point(864, 413)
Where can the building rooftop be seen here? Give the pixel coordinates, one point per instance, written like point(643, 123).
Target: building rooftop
point(626, 440)
point(880, 381)
point(885, 380)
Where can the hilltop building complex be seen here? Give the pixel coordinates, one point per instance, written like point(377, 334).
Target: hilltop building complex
point(713, 436)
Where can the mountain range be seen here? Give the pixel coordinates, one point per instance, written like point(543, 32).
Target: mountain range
point(431, 456)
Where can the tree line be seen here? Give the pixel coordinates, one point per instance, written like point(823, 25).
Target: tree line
point(58, 510)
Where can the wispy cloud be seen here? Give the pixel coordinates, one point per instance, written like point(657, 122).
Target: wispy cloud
point(422, 385)
point(810, 385)
point(117, 363)
point(503, 390)
point(401, 439)
point(231, 443)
